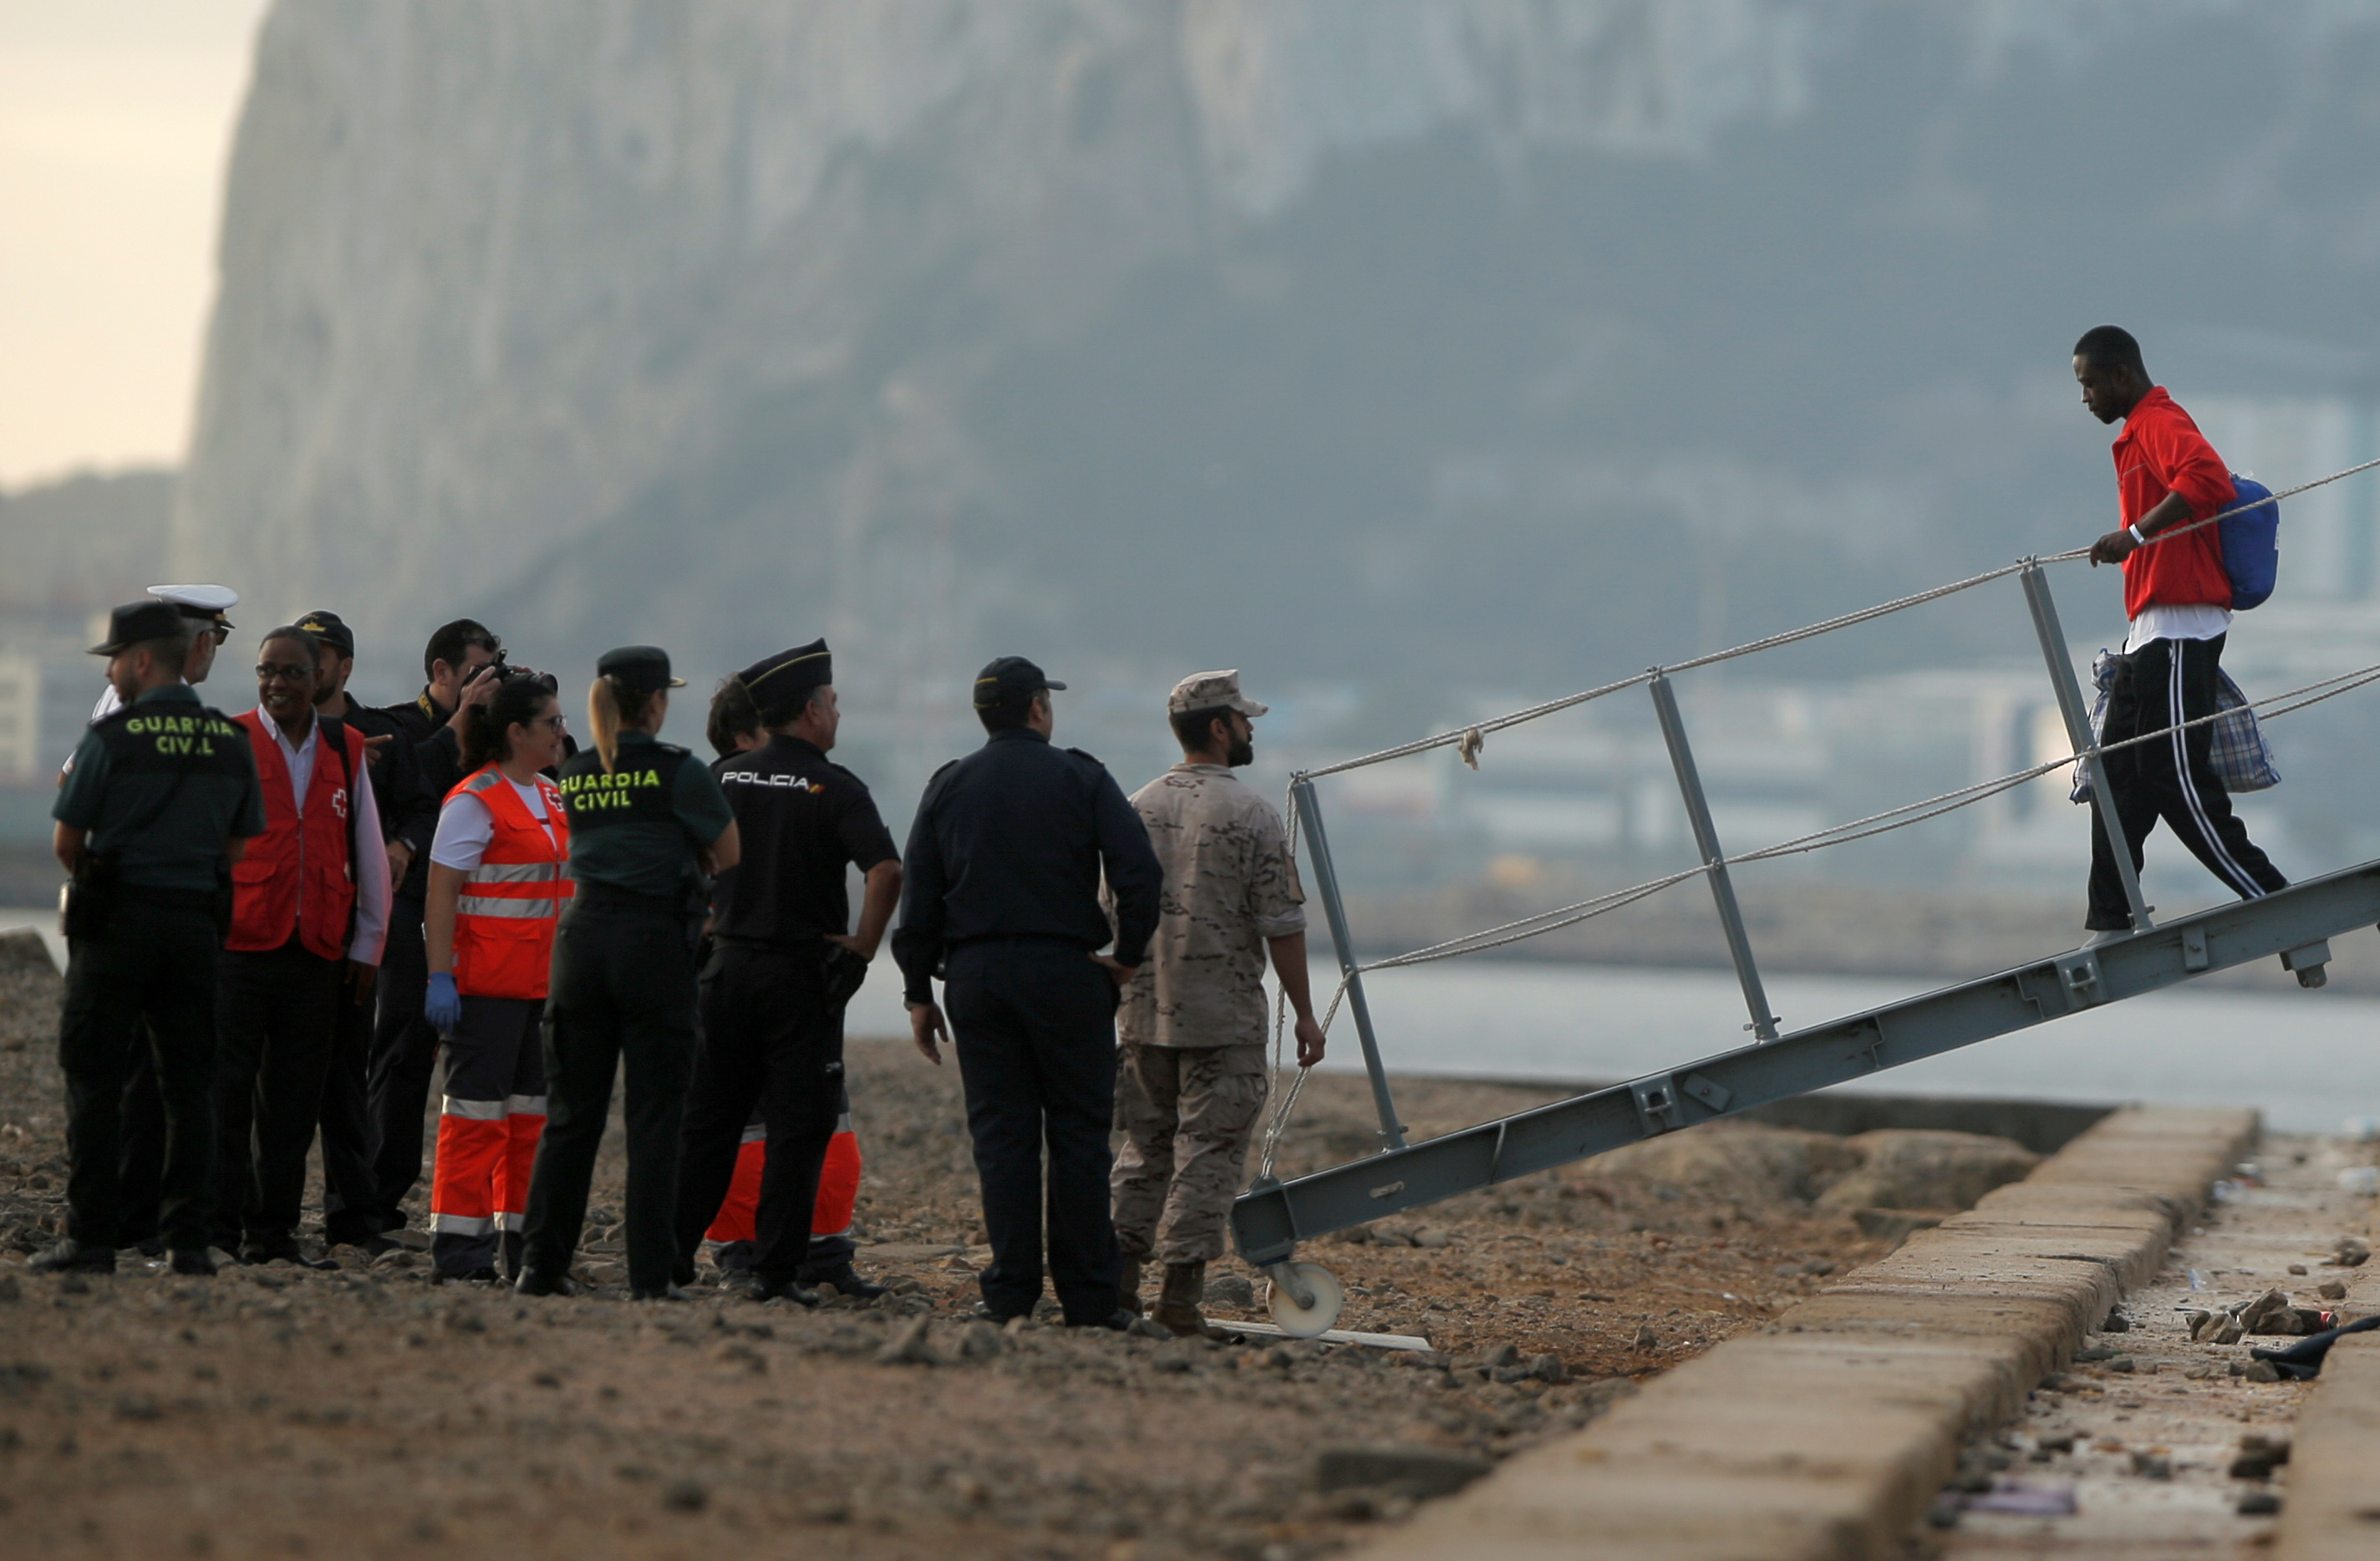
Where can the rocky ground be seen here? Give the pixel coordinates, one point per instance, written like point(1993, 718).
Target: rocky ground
point(366, 1412)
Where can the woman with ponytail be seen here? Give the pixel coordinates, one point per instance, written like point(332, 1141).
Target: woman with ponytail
point(646, 819)
point(499, 874)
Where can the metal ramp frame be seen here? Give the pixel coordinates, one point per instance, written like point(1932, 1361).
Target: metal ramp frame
point(1272, 1216)
point(2296, 924)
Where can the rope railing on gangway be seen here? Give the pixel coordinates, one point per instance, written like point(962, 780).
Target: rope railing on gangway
point(1468, 739)
point(1475, 731)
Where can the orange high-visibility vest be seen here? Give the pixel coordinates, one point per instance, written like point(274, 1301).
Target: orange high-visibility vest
point(504, 920)
point(296, 878)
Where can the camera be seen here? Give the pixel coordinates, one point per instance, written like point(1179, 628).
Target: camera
point(502, 667)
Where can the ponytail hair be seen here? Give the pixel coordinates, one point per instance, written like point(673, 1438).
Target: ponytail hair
point(487, 730)
point(610, 706)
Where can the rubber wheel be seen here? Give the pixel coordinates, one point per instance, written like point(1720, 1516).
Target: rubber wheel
point(1304, 1322)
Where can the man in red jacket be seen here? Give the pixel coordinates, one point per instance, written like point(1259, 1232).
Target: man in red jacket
point(309, 909)
point(2179, 599)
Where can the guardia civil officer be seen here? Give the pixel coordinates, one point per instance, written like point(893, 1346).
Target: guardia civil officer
point(205, 607)
point(163, 796)
point(782, 969)
point(1005, 862)
point(205, 619)
point(645, 818)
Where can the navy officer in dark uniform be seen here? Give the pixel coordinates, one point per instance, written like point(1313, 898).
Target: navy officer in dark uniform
point(162, 797)
point(782, 968)
point(1003, 904)
point(646, 818)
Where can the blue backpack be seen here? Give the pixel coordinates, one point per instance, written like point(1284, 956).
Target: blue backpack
point(2251, 548)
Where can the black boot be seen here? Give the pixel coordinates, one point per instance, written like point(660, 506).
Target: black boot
point(70, 1256)
point(844, 1279)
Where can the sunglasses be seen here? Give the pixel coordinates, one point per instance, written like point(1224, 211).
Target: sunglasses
point(268, 672)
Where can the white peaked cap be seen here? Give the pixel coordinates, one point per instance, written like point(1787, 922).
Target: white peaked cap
point(200, 597)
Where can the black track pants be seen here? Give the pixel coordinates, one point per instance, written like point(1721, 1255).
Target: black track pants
point(2164, 683)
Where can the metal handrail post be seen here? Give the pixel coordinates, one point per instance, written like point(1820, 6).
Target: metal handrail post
point(2078, 732)
point(1731, 917)
point(1334, 910)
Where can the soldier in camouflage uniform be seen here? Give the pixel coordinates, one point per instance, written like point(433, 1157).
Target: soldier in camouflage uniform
point(1194, 1022)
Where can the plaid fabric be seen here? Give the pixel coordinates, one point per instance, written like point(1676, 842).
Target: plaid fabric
point(2241, 757)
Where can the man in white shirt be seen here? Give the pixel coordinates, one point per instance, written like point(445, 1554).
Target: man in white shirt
point(205, 606)
point(309, 909)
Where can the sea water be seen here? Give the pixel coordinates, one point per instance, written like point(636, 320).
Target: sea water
point(2310, 1061)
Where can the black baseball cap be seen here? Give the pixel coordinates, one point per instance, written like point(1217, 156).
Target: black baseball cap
point(645, 667)
point(1010, 674)
point(333, 630)
point(138, 621)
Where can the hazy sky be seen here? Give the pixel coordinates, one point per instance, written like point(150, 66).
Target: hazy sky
point(116, 118)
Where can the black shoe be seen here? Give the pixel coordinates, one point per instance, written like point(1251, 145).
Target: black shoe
point(1116, 1322)
point(667, 1292)
point(257, 1254)
point(533, 1282)
point(194, 1260)
point(983, 1312)
point(372, 1246)
point(153, 1246)
point(70, 1256)
point(846, 1281)
point(476, 1276)
point(747, 1285)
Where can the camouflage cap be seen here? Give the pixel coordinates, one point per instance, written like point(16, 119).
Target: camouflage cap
point(1213, 691)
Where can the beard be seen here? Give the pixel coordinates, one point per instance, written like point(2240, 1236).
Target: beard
point(1242, 751)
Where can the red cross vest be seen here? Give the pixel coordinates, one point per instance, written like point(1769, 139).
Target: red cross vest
point(504, 921)
point(297, 878)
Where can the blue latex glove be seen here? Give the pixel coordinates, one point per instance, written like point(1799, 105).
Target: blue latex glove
point(443, 1006)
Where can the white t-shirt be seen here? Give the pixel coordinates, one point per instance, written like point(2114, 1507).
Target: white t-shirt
point(2199, 620)
point(465, 826)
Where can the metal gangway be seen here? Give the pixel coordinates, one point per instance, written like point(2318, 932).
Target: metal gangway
point(2295, 924)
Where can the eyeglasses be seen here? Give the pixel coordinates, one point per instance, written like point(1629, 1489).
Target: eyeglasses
point(557, 722)
point(267, 673)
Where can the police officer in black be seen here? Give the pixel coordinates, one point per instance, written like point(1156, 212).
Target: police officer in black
point(645, 818)
point(782, 969)
point(163, 796)
point(351, 1214)
point(1004, 863)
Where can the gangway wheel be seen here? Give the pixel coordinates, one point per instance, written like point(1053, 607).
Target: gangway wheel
point(1306, 1298)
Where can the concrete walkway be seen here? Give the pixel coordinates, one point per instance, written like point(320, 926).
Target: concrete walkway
point(2334, 1474)
point(2151, 1444)
point(1829, 1433)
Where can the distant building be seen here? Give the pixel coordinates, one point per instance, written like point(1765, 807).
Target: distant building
point(20, 717)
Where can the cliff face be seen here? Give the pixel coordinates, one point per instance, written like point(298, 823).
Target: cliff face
point(1432, 340)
